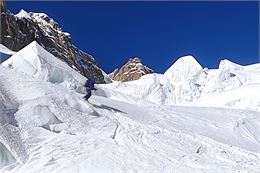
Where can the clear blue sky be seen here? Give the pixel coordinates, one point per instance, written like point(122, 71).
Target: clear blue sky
point(157, 32)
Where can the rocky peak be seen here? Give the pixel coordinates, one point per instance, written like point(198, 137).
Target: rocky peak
point(23, 28)
point(134, 60)
point(132, 70)
point(44, 20)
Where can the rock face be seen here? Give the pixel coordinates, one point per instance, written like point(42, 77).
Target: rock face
point(132, 70)
point(19, 30)
point(2, 6)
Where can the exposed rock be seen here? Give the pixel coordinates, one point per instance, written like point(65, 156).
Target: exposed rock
point(19, 30)
point(2, 6)
point(132, 70)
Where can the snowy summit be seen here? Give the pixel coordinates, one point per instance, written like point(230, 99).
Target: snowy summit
point(184, 68)
point(23, 14)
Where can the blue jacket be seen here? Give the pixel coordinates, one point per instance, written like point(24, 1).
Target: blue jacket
point(90, 86)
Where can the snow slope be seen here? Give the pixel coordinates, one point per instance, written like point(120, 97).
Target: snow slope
point(46, 126)
point(37, 62)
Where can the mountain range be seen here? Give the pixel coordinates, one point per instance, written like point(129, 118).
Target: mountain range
point(189, 119)
point(21, 29)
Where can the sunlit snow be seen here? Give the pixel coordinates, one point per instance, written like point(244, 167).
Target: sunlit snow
point(190, 119)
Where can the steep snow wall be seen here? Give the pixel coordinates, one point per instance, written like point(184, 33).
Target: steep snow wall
point(35, 61)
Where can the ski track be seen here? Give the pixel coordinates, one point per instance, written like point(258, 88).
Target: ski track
point(223, 153)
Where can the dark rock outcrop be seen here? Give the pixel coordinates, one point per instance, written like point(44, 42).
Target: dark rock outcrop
point(132, 70)
point(19, 30)
point(2, 6)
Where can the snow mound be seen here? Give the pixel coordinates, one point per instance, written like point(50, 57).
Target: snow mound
point(35, 61)
point(184, 68)
point(149, 88)
point(23, 14)
point(226, 64)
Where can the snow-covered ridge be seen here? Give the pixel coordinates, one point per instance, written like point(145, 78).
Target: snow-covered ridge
point(186, 82)
point(37, 62)
point(23, 14)
point(40, 18)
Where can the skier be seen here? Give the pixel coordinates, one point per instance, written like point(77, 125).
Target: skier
point(89, 86)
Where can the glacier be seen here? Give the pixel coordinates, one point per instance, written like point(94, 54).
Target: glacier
point(189, 119)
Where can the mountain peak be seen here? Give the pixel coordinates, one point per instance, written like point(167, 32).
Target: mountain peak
point(134, 60)
point(44, 19)
point(184, 68)
point(23, 14)
point(132, 70)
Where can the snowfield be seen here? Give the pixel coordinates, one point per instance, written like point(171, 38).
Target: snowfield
point(190, 119)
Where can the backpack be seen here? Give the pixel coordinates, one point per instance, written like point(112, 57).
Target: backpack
point(89, 83)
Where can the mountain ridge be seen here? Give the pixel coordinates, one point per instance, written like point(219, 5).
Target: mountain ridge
point(189, 119)
point(21, 29)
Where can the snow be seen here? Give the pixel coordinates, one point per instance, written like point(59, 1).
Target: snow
point(106, 77)
point(37, 62)
point(5, 53)
point(5, 50)
point(45, 21)
point(67, 34)
point(159, 123)
point(23, 14)
point(226, 64)
point(187, 83)
point(184, 68)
